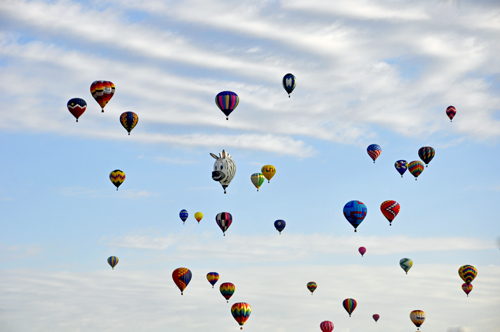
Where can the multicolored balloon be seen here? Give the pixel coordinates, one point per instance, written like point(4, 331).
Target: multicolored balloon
point(117, 177)
point(374, 150)
point(268, 171)
point(426, 153)
point(289, 83)
point(224, 220)
point(112, 261)
point(183, 215)
point(349, 305)
point(376, 317)
point(257, 180)
point(467, 288)
point(227, 290)
point(102, 91)
point(390, 210)
point(326, 326)
point(129, 120)
point(362, 251)
point(312, 286)
point(401, 166)
point(198, 216)
point(77, 106)
point(416, 168)
point(406, 264)
point(212, 278)
point(355, 212)
point(241, 312)
point(227, 102)
point(182, 277)
point(280, 225)
point(451, 111)
point(467, 273)
point(417, 317)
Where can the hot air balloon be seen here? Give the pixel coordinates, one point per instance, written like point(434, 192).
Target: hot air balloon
point(257, 180)
point(212, 278)
point(227, 290)
point(117, 177)
point(312, 286)
point(426, 153)
point(467, 273)
point(241, 312)
point(129, 120)
point(112, 261)
point(467, 288)
point(362, 250)
point(374, 150)
point(401, 166)
point(390, 210)
point(198, 216)
point(289, 83)
point(224, 220)
point(376, 317)
point(326, 326)
point(417, 317)
point(224, 169)
point(349, 305)
point(268, 171)
point(451, 111)
point(416, 168)
point(182, 277)
point(227, 102)
point(355, 212)
point(406, 264)
point(102, 91)
point(280, 225)
point(183, 215)
point(77, 106)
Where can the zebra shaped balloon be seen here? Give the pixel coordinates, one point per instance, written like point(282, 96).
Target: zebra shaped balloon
point(224, 169)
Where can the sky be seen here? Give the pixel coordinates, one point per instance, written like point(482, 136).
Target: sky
point(367, 72)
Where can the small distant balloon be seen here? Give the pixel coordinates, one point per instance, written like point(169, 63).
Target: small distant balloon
point(268, 171)
point(416, 168)
point(426, 153)
point(401, 166)
point(406, 264)
point(77, 106)
point(112, 261)
point(257, 180)
point(312, 286)
point(129, 120)
point(227, 102)
point(326, 326)
point(468, 273)
point(280, 225)
point(198, 216)
point(376, 317)
point(467, 288)
point(117, 177)
point(183, 215)
point(227, 290)
point(355, 212)
point(390, 210)
point(349, 305)
point(374, 151)
point(182, 277)
point(362, 251)
point(241, 312)
point(212, 278)
point(289, 83)
point(417, 317)
point(224, 220)
point(451, 111)
point(102, 91)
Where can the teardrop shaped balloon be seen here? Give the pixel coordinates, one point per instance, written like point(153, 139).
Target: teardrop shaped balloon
point(374, 151)
point(224, 220)
point(312, 286)
point(349, 305)
point(102, 91)
point(426, 153)
point(467, 273)
point(198, 216)
point(326, 326)
point(183, 215)
point(416, 168)
point(362, 251)
point(279, 225)
point(417, 317)
point(451, 111)
point(376, 317)
point(241, 312)
point(467, 288)
point(77, 106)
point(268, 171)
point(401, 166)
point(212, 278)
point(117, 177)
point(182, 277)
point(257, 180)
point(289, 83)
point(406, 264)
point(227, 102)
point(355, 212)
point(390, 210)
point(112, 261)
point(227, 290)
point(129, 120)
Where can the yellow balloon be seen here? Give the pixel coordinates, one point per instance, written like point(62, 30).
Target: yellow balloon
point(198, 216)
point(268, 171)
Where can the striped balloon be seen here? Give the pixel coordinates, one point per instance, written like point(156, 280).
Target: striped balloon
point(102, 91)
point(417, 317)
point(426, 153)
point(129, 120)
point(227, 290)
point(289, 83)
point(349, 305)
point(406, 264)
point(241, 312)
point(416, 168)
point(257, 180)
point(390, 210)
point(212, 278)
point(227, 102)
point(326, 326)
point(467, 273)
point(451, 111)
point(112, 261)
point(467, 288)
point(355, 212)
point(117, 177)
point(374, 150)
point(312, 286)
point(182, 277)
point(77, 106)
point(224, 220)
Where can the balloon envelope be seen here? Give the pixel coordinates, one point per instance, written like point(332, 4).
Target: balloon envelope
point(401, 166)
point(117, 177)
point(451, 111)
point(416, 168)
point(198, 216)
point(362, 250)
point(182, 277)
point(467, 288)
point(467, 273)
point(212, 278)
point(224, 220)
point(183, 215)
point(390, 210)
point(112, 261)
point(227, 102)
point(417, 317)
point(374, 150)
point(312, 286)
point(227, 290)
point(257, 180)
point(349, 305)
point(77, 106)
point(376, 317)
point(426, 153)
point(129, 120)
point(289, 82)
point(326, 326)
point(406, 264)
point(355, 212)
point(268, 171)
point(241, 312)
point(102, 91)
point(280, 225)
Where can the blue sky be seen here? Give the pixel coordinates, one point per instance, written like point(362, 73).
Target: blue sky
point(367, 72)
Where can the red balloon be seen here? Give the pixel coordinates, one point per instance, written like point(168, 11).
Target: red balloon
point(376, 317)
point(326, 326)
point(362, 251)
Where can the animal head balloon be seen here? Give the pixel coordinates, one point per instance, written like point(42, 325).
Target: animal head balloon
point(224, 169)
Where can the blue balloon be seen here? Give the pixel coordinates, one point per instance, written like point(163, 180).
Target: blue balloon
point(289, 83)
point(184, 215)
point(280, 225)
point(401, 166)
point(355, 212)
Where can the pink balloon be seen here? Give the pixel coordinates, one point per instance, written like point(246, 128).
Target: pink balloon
point(362, 251)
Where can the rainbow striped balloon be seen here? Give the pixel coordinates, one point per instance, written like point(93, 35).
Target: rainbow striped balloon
point(227, 290)
point(416, 168)
point(426, 153)
point(112, 261)
point(241, 312)
point(212, 278)
point(102, 91)
point(182, 277)
point(227, 101)
point(349, 305)
point(117, 177)
point(467, 273)
point(326, 326)
point(312, 286)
